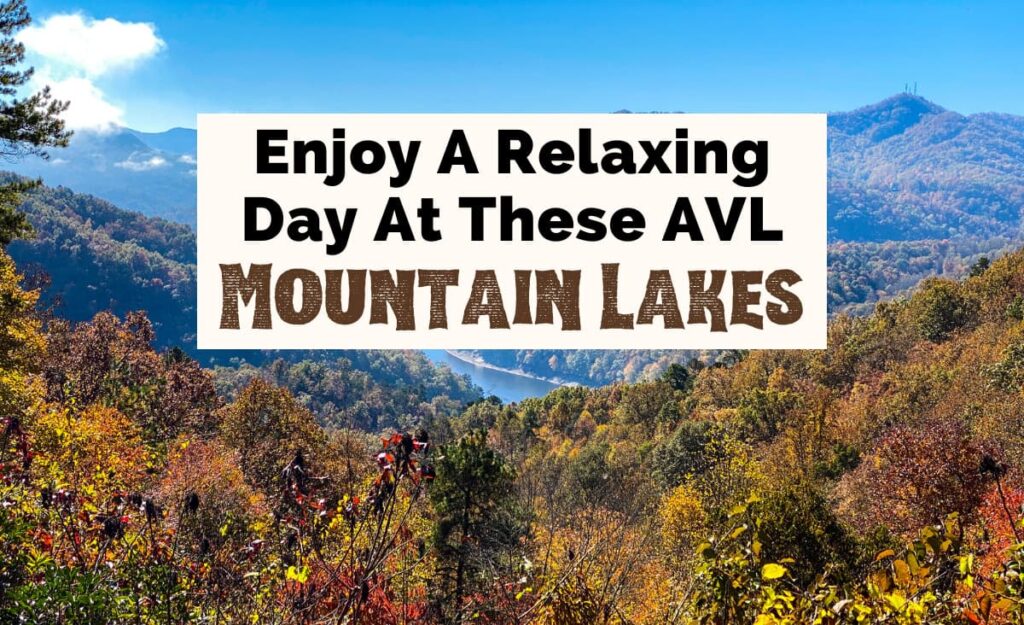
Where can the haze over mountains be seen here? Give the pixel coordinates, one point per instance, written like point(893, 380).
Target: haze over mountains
point(914, 191)
point(152, 173)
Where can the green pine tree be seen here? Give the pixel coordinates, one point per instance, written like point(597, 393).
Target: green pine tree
point(28, 125)
point(477, 522)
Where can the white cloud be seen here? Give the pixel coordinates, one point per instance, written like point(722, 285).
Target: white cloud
point(93, 47)
point(74, 50)
point(89, 108)
point(188, 159)
point(153, 162)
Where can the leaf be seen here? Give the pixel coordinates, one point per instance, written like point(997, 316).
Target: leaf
point(915, 566)
point(888, 553)
point(896, 601)
point(966, 564)
point(772, 571)
point(880, 580)
point(297, 575)
point(736, 533)
point(705, 550)
point(46, 540)
point(985, 605)
point(902, 573)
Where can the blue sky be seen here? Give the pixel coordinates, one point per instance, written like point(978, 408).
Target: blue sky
point(532, 57)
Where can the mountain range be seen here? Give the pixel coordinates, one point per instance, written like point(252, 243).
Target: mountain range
point(915, 190)
point(904, 169)
point(153, 173)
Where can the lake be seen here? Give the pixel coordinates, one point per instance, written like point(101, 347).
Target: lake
point(507, 386)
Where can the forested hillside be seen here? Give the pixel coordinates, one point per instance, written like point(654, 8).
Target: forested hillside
point(914, 191)
point(92, 256)
point(98, 257)
point(370, 390)
point(906, 169)
point(877, 481)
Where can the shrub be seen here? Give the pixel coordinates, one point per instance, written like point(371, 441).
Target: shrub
point(939, 308)
point(94, 450)
point(913, 477)
point(205, 494)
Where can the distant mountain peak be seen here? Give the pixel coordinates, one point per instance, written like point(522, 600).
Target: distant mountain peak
point(890, 117)
point(177, 140)
point(908, 99)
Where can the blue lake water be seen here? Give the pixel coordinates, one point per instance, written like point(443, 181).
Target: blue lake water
point(508, 386)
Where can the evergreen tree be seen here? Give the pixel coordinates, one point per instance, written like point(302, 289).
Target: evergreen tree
point(28, 125)
point(980, 266)
point(678, 377)
point(476, 520)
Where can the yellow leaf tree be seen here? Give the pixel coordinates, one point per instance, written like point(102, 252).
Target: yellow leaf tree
point(21, 341)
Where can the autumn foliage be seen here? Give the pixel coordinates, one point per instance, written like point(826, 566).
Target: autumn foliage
point(878, 481)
